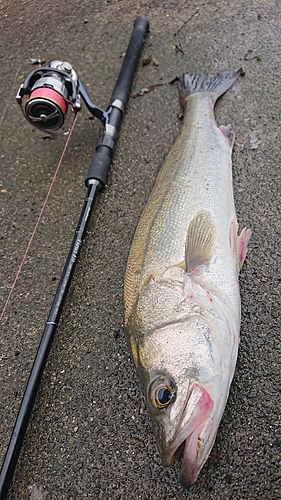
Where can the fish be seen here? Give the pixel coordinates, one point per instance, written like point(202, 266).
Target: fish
point(181, 289)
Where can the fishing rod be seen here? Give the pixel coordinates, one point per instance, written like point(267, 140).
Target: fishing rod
point(48, 91)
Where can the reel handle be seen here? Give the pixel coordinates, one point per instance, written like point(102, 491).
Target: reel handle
point(125, 78)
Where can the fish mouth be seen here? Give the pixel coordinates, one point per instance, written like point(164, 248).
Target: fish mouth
point(192, 436)
point(191, 466)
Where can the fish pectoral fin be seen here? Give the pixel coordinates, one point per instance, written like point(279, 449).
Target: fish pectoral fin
point(200, 240)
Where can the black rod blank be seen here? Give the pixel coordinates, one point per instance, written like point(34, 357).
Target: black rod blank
point(37, 370)
point(124, 82)
point(95, 180)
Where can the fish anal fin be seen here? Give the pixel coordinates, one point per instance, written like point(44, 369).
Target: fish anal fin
point(243, 240)
point(200, 240)
point(239, 244)
point(228, 133)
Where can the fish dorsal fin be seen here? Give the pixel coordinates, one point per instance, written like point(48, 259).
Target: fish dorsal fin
point(200, 240)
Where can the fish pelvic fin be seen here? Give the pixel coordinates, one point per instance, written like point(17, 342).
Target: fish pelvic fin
point(200, 240)
point(190, 83)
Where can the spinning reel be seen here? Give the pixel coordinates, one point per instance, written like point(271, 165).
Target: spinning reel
point(49, 90)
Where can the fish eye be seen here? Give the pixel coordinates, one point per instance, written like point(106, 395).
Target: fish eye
point(162, 392)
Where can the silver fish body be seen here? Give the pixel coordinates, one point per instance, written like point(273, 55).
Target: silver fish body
point(182, 301)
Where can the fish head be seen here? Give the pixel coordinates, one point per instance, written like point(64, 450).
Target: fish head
point(186, 394)
point(192, 435)
point(184, 343)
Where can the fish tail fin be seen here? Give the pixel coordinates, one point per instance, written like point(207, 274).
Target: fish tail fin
point(190, 83)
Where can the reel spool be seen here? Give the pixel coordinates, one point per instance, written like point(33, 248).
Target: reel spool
point(49, 90)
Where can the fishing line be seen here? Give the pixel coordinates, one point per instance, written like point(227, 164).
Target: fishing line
point(39, 217)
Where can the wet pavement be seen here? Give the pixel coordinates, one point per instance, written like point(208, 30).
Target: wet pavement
point(90, 435)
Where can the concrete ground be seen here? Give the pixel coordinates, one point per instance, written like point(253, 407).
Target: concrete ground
point(90, 435)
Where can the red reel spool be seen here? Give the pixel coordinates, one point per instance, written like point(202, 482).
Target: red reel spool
point(46, 108)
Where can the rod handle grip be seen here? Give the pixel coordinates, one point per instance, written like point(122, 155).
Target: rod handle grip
point(99, 168)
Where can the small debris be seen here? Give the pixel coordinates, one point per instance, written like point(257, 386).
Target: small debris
point(36, 493)
point(254, 140)
point(154, 61)
point(117, 333)
point(145, 90)
point(248, 56)
point(174, 80)
point(178, 46)
point(85, 21)
point(48, 137)
point(4, 191)
point(146, 60)
point(37, 61)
